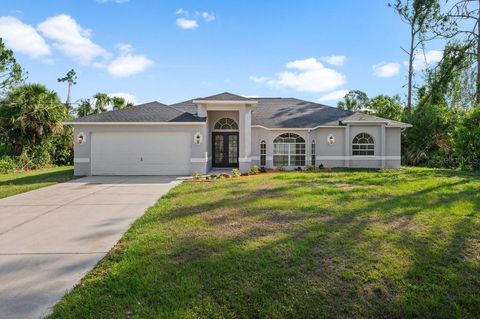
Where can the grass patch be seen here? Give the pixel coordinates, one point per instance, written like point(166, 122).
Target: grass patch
point(20, 182)
point(392, 244)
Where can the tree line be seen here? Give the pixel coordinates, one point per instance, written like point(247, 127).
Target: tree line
point(443, 102)
point(31, 131)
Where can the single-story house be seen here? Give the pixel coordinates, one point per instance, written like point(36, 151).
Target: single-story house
point(228, 131)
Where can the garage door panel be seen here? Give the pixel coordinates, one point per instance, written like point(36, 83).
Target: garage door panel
point(140, 153)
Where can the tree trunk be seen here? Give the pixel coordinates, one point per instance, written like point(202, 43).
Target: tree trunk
point(477, 92)
point(68, 97)
point(411, 55)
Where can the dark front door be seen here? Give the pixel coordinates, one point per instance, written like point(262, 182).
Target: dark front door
point(225, 149)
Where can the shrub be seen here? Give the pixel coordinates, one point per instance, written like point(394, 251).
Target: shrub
point(310, 168)
point(263, 169)
point(236, 172)
point(8, 164)
point(298, 169)
point(61, 147)
point(281, 168)
point(254, 170)
point(466, 139)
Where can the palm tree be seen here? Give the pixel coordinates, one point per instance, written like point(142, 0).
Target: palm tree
point(85, 108)
point(70, 78)
point(29, 114)
point(118, 102)
point(102, 100)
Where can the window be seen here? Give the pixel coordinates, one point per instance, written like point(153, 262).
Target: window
point(363, 145)
point(226, 124)
point(289, 150)
point(263, 153)
point(313, 159)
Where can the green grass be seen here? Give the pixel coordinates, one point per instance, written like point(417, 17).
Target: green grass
point(16, 183)
point(349, 244)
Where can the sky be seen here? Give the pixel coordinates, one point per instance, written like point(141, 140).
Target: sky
point(171, 51)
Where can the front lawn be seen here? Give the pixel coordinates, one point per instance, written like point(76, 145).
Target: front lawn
point(20, 182)
point(390, 244)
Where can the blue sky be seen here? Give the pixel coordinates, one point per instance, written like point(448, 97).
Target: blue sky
point(171, 51)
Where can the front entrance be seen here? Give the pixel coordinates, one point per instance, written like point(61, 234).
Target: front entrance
point(225, 149)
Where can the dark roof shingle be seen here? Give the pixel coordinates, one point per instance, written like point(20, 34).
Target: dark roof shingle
point(269, 112)
point(225, 96)
point(148, 112)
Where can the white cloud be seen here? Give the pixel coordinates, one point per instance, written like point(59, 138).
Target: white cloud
point(386, 70)
point(187, 24)
point(71, 39)
point(127, 64)
point(307, 75)
point(333, 96)
point(334, 59)
point(189, 21)
point(23, 38)
point(129, 98)
point(422, 60)
point(305, 65)
point(207, 16)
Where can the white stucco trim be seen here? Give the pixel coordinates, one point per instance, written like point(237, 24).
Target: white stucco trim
point(223, 102)
point(358, 158)
point(81, 160)
point(134, 123)
point(377, 123)
point(244, 159)
point(298, 128)
point(198, 160)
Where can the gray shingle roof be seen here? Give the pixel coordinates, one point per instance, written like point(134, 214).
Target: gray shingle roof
point(295, 113)
point(225, 96)
point(269, 112)
point(148, 112)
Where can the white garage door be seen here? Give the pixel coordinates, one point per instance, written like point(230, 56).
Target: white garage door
point(140, 153)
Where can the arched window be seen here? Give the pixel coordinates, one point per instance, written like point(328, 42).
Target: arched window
point(363, 145)
point(226, 124)
point(313, 154)
point(263, 153)
point(289, 150)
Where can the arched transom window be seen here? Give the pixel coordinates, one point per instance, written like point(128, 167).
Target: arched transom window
point(289, 150)
point(363, 145)
point(226, 124)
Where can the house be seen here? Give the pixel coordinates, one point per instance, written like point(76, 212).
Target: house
point(228, 130)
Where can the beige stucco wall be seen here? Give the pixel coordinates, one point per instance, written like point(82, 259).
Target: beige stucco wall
point(387, 143)
point(339, 154)
point(82, 152)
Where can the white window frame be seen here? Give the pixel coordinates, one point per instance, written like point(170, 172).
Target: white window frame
point(234, 129)
point(263, 153)
point(291, 149)
point(363, 142)
point(313, 153)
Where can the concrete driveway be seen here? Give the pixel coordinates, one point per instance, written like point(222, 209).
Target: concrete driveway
point(51, 237)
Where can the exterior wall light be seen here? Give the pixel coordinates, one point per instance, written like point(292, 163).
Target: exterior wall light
point(81, 138)
point(331, 139)
point(198, 138)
